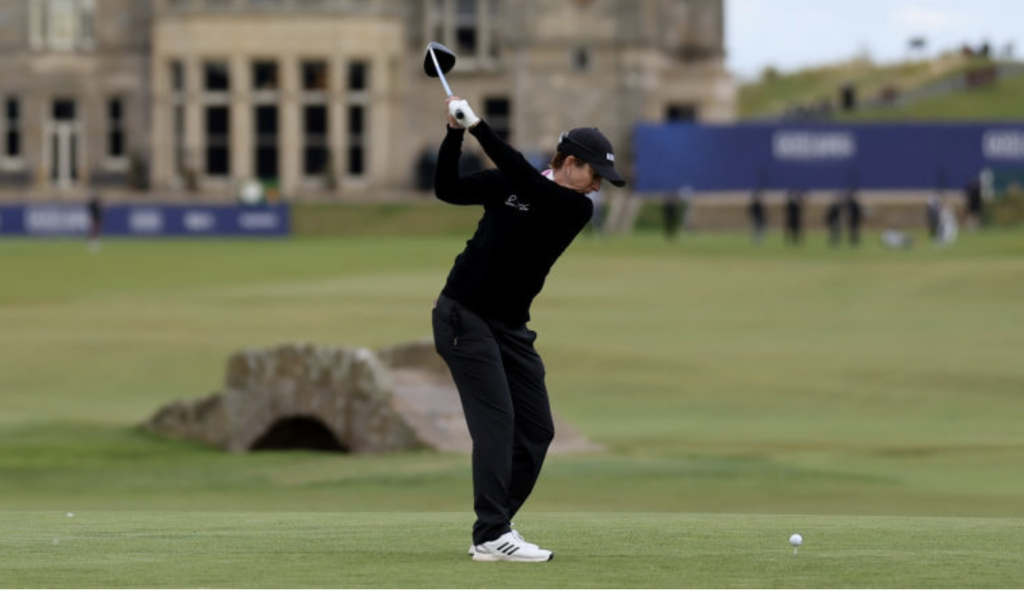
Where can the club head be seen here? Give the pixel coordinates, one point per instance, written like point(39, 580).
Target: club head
point(445, 59)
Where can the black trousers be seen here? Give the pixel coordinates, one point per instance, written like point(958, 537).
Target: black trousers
point(500, 378)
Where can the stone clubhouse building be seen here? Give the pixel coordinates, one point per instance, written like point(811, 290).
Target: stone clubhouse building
point(327, 98)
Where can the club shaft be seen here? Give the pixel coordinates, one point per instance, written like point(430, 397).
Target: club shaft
point(440, 74)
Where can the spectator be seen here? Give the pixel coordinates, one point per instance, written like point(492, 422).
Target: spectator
point(949, 229)
point(758, 217)
point(794, 216)
point(974, 204)
point(95, 209)
point(942, 224)
point(933, 210)
point(671, 208)
point(834, 222)
point(853, 217)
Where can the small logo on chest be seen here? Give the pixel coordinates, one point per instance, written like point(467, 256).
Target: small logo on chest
point(513, 202)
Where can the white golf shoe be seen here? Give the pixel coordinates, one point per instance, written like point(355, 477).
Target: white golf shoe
point(515, 533)
point(511, 547)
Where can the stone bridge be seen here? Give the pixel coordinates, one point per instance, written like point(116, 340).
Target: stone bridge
point(346, 399)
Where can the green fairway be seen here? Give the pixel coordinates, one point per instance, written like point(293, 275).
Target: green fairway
point(868, 399)
point(606, 550)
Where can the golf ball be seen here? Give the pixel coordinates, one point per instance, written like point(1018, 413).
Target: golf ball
point(796, 540)
point(71, 514)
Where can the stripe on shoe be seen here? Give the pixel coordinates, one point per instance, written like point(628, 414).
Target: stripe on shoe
point(508, 548)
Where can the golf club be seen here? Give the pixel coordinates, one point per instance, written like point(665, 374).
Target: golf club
point(437, 61)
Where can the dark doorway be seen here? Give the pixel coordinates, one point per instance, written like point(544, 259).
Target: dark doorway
point(299, 433)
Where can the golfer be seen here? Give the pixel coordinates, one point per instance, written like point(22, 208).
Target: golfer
point(529, 219)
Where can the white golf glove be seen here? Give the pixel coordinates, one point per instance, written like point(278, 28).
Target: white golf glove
point(463, 113)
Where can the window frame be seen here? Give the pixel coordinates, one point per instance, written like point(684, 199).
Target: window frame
point(216, 98)
point(79, 16)
point(14, 162)
point(358, 136)
point(443, 22)
point(317, 97)
point(116, 162)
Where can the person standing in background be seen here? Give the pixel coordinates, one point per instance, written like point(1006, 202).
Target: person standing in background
point(758, 217)
point(95, 210)
point(974, 204)
point(670, 211)
point(794, 217)
point(853, 217)
point(834, 221)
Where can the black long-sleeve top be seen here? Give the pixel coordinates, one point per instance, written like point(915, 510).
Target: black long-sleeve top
point(528, 222)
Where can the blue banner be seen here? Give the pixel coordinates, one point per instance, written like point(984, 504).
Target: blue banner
point(821, 156)
point(52, 219)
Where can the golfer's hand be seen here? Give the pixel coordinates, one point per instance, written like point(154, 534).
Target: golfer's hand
point(460, 114)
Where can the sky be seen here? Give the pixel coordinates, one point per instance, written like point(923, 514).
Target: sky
point(793, 34)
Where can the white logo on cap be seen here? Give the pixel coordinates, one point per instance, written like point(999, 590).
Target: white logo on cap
point(611, 157)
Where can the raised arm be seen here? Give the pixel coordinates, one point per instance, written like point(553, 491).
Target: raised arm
point(509, 161)
point(451, 187)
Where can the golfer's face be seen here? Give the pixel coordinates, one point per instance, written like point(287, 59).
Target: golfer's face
point(583, 178)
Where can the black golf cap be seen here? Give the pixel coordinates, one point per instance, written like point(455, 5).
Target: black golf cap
point(590, 145)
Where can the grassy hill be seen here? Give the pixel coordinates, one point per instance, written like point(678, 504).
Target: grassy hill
point(776, 92)
point(1000, 101)
point(771, 96)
